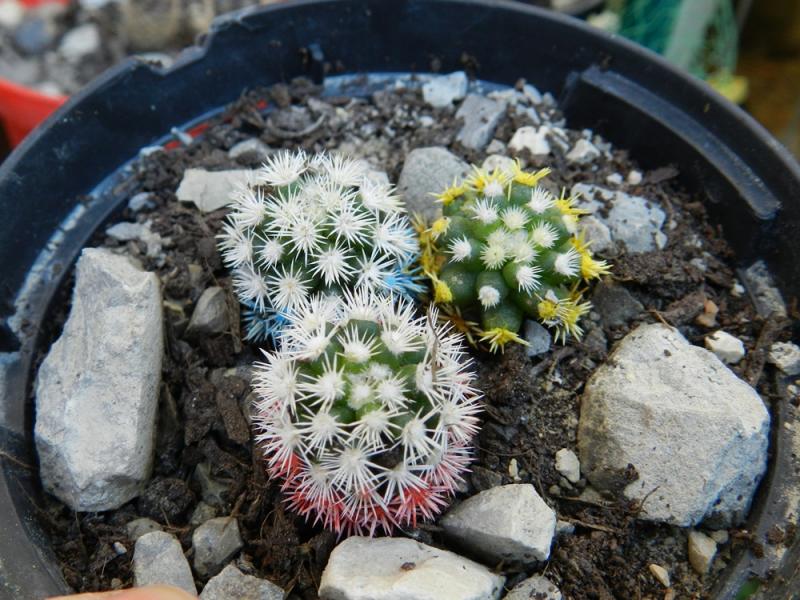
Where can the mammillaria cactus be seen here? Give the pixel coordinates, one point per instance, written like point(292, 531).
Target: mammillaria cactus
point(507, 248)
point(314, 224)
point(366, 412)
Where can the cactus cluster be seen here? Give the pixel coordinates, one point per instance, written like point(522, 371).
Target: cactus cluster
point(309, 225)
point(506, 248)
point(366, 412)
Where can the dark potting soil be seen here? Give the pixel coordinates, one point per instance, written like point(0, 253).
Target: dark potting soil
point(204, 452)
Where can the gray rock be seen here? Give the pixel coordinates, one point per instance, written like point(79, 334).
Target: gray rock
point(635, 177)
point(564, 528)
point(728, 348)
point(34, 35)
point(702, 550)
point(139, 527)
point(401, 569)
point(596, 233)
point(427, 171)
point(636, 222)
point(785, 356)
point(531, 139)
point(97, 389)
point(212, 491)
point(508, 523)
point(210, 315)
point(767, 298)
point(158, 559)
point(615, 304)
point(443, 90)
point(538, 338)
point(80, 42)
point(11, 14)
point(232, 584)
point(537, 587)
point(660, 573)
point(211, 190)
point(140, 201)
point(126, 231)
point(695, 433)
point(532, 94)
point(251, 150)
point(614, 179)
point(496, 147)
point(568, 465)
point(481, 116)
point(498, 161)
point(202, 512)
point(215, 543)
point(583, 152)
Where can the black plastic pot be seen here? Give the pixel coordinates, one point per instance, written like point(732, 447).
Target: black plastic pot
point(749, 183)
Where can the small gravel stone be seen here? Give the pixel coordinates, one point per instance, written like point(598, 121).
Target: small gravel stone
point(785, 356)
point(509, 522)
point(363, 568)
point(80, 42)
point(538, 338)
point(767, 298)
point(635, 177)
point(232, 584)
point(536, 587)
point(498, 161)
point(210, 316)
point(496, 147)
point(443, 90)
point(564, 528)
point(720, 536)
point(481, 116)
point(249, 151)
point(596, 232)
point(202, 512)
point(614, 179)
point(140, 201)
point(728, 348)
point(426, 171)
point(34, 35)
point(702, 550)
point(568, 465)
point(138, 527)
point(213, 492)
point(660, 573)
point(531, 139)
point(637, 222)
point(215, 542)
point(532, 94)
point(615, 304)
point(11, 14)
point(211, 190)
point(158, 559)
point(583, 152)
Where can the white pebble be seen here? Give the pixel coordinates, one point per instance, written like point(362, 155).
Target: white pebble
point(728, 348)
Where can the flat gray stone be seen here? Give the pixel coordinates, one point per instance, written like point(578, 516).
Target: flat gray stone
point(538, 338)
point(596, 233)
point(481, 116)
point(139, 527)
point(158, 559)
point(215, 543)
point(210, 315)
point(505, 523)
point(232, 584)
point(696, 434)
point(498, 161)
point(251, 150)
point(202, 513)
point(363, 568)
point(534, 588)
point(766, 297)
point(441, 91)
point(615, 304)
point(211, 190)
point(568, 465)
point(785, 356)
point(97, 389)
point(583, 152)
point(429, 171)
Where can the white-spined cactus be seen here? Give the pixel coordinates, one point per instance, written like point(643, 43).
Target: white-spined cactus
point(311, 225)
point(366, 412)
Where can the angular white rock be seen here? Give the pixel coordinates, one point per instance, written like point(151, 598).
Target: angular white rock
point(583, 152)
point(427, 171)
point(498, 161)
point(363, 568)
point(538, 338)
point(211, 190)
point(568, 465)
point(210, 315)
point(595, 232)
point(443, 90)
point(696, 434)
point(250, 150)
point(660, 573)
point(97, 389)
point(158, 559)
point(531, 139)
point(481, 116)
point(635, 177)
point(232, 584)
point(785, 356)
point(702, 550)
point(728, 348)
point(80, 42)
point(534, 588)
point(508, 522)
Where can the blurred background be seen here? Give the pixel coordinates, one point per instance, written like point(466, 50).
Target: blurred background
point(749, 50)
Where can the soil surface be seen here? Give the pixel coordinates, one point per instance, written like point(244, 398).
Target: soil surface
point(204, 451)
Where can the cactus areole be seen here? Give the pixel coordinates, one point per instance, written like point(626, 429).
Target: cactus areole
point(506, 248)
